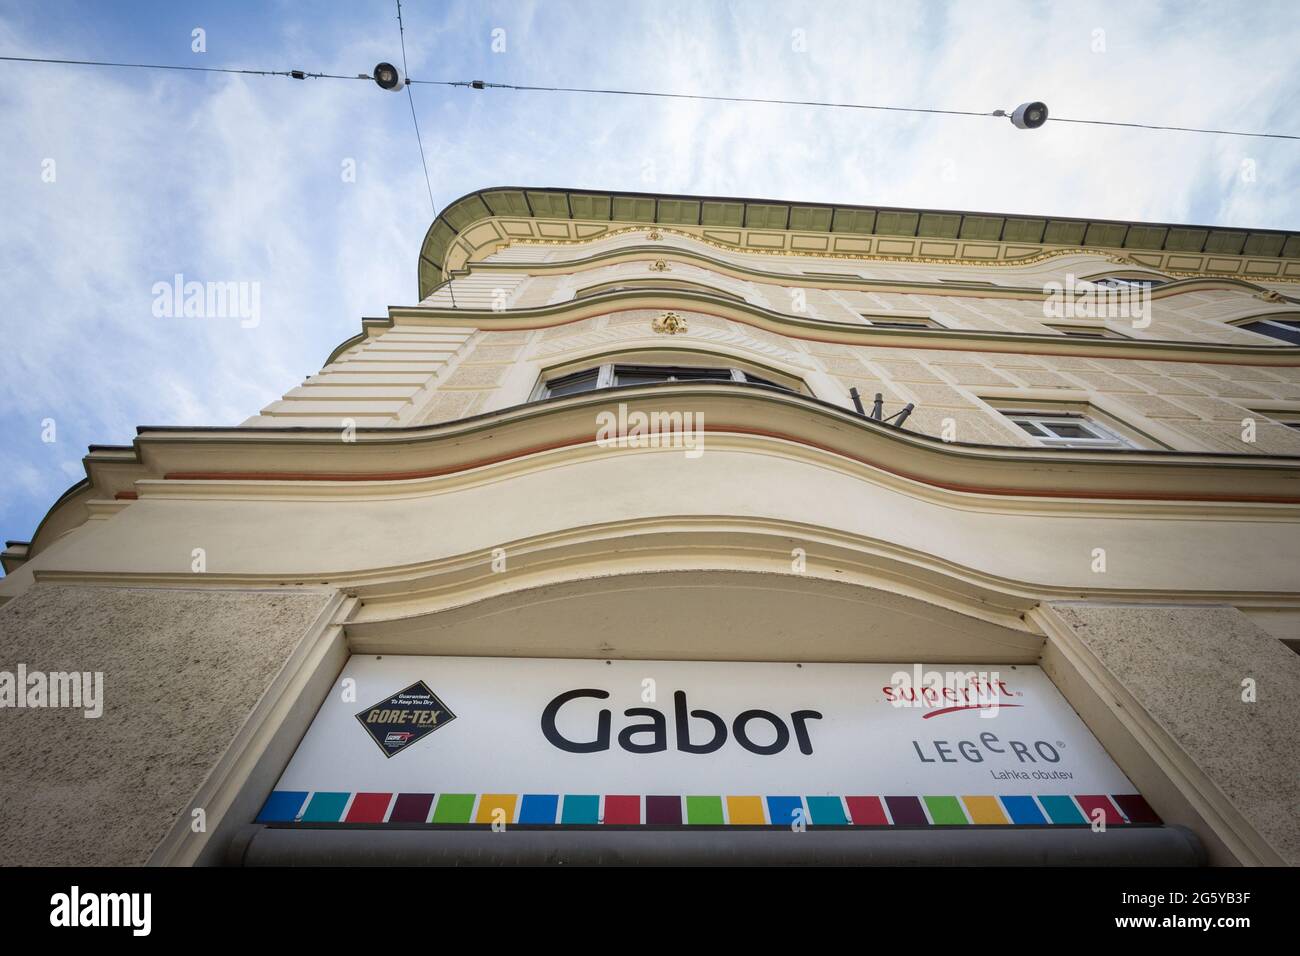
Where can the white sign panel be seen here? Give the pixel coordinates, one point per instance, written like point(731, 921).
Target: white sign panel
point(413, 740)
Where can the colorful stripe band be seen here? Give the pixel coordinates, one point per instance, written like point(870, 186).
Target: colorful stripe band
point(552, 809)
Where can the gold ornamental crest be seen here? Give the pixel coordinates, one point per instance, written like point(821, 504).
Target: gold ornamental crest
point(670, 323)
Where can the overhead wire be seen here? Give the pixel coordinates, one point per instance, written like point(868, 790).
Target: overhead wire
point(659, 94)
point(401, 32)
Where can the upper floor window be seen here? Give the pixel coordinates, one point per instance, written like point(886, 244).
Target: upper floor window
point(1069, 430)
point(902, 322)
point(1089, 332)
point(653, 284)
point(612, 375)
point(1128, 282)
point(1275, 327)
point(1290, 417)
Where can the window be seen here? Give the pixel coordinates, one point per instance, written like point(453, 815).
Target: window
point(650, 374)
point(573, 384)
point(1080, 332)
point(1286, 330)
point(1068, 430)
point(610, 376)
point(1289, 417)
point(902, 322)
point(653, 285)
point(1128, 282)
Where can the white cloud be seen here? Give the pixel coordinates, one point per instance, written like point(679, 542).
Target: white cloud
point(239, 179)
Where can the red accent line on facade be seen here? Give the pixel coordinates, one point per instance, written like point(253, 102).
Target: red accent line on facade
point(126, 496)
point(725, 429)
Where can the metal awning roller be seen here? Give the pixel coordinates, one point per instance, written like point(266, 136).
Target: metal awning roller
point(259, 845)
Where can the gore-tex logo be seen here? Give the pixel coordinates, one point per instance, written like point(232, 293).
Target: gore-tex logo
point(946, 692)
point(409, 715)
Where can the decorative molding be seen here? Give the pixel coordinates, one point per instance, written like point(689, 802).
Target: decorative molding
point(864, 256)
point(670, 323)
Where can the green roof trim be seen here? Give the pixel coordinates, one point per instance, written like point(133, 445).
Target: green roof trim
point(981, 227)
point(735, 213)
point(938, 225)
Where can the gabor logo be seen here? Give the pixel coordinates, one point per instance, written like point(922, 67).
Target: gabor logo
point(758, 731)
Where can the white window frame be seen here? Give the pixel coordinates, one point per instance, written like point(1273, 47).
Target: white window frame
point(1290, 417)
point(904, 323)
point(1086, 331)
point(1290, 323)
point(1128, 281)
point(1042, 429)
point(606, 376)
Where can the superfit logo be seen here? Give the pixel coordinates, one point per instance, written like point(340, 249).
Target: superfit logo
point(947, 692)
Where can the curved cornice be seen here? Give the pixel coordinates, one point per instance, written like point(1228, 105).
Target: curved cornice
point(312, 461)
point(755, 415)
point(781, 218)
point(843, 333)
point(1190, 282)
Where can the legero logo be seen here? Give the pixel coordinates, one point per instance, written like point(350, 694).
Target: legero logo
point(409, 715)
point(947, 692)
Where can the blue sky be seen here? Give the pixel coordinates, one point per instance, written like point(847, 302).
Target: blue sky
point(239, 178)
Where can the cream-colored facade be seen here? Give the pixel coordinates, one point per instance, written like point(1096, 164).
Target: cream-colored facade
point(220, 577)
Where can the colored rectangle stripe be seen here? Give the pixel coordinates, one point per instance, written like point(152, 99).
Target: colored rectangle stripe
point(826, 811)
point(707, 810)
point(411, 808)
point(867, 811)
point(282, 806)
point(538, 808)
point(287, 806)
point(745, 811)
point(906, 812)
point(325, 807)
point(497, 808)
point(1023, 810)
point(783, 810)
point(984, 810)
point(622, 809)
point(454, 807)
point(663, 810)
point(946, 811)
point(1135, 807)
point(1098, 807)
point(581, 808)
point(1061, 809)
point(369, 808)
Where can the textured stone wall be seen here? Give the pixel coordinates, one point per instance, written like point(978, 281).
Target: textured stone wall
point(182, 670)
point(1185, 666)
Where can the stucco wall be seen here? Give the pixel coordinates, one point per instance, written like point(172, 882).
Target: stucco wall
point(1186, 406)
point(182, 670)
point(1185, 666)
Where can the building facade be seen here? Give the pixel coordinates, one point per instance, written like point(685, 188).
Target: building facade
point(628, 445)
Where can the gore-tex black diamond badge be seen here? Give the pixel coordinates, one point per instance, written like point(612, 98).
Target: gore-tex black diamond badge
point(404, 718)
